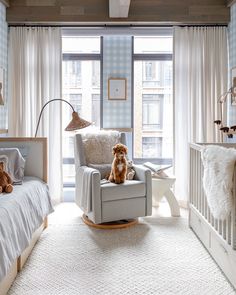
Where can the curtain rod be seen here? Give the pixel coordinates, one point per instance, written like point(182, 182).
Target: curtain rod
point(116, 26)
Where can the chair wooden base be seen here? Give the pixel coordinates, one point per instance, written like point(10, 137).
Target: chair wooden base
point(110, 225)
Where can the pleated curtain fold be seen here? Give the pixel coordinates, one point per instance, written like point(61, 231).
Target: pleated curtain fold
point(35, 61)
point(200, 77)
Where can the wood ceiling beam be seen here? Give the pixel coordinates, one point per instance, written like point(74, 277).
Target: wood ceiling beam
point(230, 2)
point(138, 12)
point(119, 8)
point(5, 2)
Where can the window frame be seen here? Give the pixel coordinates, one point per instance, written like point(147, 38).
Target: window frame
point(148, 57)
point(81, 57)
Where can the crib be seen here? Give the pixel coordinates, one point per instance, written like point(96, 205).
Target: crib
point(219, 237)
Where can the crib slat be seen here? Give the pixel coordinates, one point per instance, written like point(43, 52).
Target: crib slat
point(224, 229)
point(220, 228)
point(191, 176)
point(227, 228)
point(233, 216)
point(195, 182)
point(201, 187)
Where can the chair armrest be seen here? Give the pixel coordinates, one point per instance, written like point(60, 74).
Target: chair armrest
point(95, 196)
point(95, 176)
point(85, 169)
point(144, 174)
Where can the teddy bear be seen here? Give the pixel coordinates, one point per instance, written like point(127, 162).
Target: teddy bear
point(5, 180)
point(130, 171)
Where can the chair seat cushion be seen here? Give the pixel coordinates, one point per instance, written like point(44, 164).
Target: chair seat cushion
point(130, 189)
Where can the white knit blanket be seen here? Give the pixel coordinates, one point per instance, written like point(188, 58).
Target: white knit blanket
point(218, 165)
point(85, 202)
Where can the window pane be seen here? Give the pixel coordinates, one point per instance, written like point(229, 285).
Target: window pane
point(153, 109)
point(81, 87)
point(72, 73)
point(80, 44)
point(150, 45)
point(151, 147)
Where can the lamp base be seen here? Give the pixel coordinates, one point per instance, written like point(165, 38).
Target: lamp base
point(110, 225)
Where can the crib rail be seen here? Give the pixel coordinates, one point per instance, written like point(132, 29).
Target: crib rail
point(227, 228)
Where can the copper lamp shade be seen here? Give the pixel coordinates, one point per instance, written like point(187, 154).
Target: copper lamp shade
point(77, 123)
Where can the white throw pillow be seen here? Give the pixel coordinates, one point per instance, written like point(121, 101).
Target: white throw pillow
point(15, 164)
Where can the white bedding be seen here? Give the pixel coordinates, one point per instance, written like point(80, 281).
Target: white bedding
point(21, 213)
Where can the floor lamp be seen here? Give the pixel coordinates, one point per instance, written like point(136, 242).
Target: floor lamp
point(75, 123)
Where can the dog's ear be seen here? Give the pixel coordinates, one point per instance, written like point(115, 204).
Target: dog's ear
point(114, 150)
point(126, 150)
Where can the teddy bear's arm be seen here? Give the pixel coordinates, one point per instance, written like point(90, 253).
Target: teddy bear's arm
point(9, 180)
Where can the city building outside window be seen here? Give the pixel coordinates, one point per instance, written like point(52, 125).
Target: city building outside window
point(81, 87)
point(152, 111)
point(153, 99)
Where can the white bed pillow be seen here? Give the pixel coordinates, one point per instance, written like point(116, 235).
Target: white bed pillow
point(15, 164)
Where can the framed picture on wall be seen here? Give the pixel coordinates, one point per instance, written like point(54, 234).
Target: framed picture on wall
point(233, 75)
point(117, 88)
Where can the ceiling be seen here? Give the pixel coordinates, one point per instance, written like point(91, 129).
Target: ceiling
point(155, 12)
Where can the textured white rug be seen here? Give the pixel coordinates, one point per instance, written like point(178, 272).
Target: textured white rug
point(160, 255)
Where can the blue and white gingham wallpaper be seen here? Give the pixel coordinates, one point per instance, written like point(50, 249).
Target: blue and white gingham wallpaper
point(3, 62)
point(232, 59)
point(117, 63)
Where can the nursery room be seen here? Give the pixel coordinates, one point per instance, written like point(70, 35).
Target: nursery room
point(117, 147)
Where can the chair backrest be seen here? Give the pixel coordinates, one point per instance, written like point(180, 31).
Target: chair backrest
point(96, 147)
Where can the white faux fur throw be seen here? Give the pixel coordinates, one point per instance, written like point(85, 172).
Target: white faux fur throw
point(98, 146)
point(218, 165)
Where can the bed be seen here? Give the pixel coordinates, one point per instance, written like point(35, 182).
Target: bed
point(23, 213)
point(219, 237)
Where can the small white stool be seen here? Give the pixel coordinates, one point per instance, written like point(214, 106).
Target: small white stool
point(162, 187)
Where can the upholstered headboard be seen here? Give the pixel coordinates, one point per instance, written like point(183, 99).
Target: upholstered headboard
point(35, 152)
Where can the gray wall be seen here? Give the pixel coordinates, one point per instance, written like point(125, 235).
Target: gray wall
point(117, 63)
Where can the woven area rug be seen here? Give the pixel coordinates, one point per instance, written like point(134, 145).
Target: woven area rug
point(160, 255)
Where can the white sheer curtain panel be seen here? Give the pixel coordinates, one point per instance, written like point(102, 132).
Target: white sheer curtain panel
point(200, 77)
point(34, 78)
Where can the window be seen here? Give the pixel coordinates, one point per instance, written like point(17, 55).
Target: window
point(72, 74)
point(96, 109)
point(76, 100)
point(153, 99)
point(81, 87)
point(153, 44)
point(152, 111)
point(96, 73)
point(151, 147)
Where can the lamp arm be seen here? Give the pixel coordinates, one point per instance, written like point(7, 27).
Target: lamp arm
point(41, 112)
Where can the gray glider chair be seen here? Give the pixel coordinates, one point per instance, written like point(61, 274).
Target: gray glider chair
point(100, 200)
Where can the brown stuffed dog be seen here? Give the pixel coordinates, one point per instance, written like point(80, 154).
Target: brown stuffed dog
point(5, 180)
point(119, 164)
